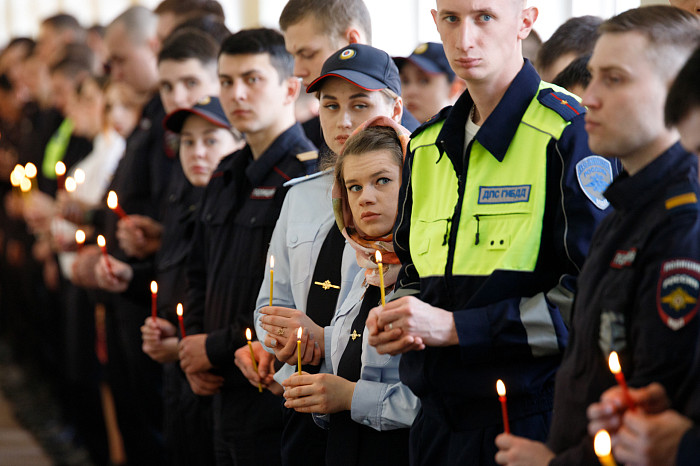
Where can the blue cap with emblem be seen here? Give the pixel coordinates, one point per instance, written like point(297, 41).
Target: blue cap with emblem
point(429, 57)
point(364, 66)
point(208, 108)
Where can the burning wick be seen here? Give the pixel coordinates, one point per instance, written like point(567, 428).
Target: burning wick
point(248, 336)
point(501, 389)
point(179, 318)
point(113, 203)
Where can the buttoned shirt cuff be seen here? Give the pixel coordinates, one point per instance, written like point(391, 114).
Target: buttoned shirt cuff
point(284, 373)
point(366, 407)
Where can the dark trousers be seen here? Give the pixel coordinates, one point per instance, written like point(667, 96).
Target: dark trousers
point(303, 442)
point(135, 380)
point(433, 442)
point(189, 429)
point(247, 427)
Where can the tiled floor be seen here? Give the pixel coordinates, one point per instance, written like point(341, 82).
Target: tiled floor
point(17, 446)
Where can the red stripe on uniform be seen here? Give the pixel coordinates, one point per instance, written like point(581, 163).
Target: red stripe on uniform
point(281, 173)
point(565, 103)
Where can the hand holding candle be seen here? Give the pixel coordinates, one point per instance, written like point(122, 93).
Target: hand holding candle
point(614, 363)
point(154, 300)
point(501, 389)
point(113, 203)
point(103, 246)
point(378, 257)
point(603, 448)
point(179, 318)
point(60, 174)
point(248, 336)
point(299, 349)
point(272, 275)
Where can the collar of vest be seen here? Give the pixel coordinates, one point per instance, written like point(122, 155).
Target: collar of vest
point(499, 128)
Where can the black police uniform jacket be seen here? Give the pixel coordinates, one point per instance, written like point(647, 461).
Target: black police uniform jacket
point(637, 294)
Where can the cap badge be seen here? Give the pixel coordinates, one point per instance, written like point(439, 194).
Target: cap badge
point(422, 48)
point(204, 100)
point(347, 54)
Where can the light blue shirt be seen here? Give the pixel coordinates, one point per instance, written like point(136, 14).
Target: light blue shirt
point(304, 222)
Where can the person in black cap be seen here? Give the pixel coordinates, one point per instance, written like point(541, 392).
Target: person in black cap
point(205, 138)
point(427, 81)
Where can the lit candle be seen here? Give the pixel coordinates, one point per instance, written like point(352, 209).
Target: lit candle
point(30, 172)
point(614, 363)
point(80, 238)
point(25, 185)
point(299, 349)
point(70, 184)
point(113, 203)
point(272, 275)
point(60, 174)
point(16, 177)
point(378, 257)
point(501, 389)
point(252, 355)
point(179, 318)
point(154, 300)
point(103, 246)
point(603, 448)
point(79, 176)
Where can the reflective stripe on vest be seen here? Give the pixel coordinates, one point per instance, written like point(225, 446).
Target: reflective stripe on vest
point(500, 225)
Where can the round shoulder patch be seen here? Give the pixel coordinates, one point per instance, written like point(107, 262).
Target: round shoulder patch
point(678, 292)
point(421, 49)
point(347, 54)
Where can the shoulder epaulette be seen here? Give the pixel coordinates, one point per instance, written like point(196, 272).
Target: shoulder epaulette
point(681, 197)
point(441, 115)
point(566, 105)
point(301, 179)
point(308, 155)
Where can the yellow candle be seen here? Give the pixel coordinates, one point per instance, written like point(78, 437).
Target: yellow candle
point(378, 257)
point(252, 355)
point(299, 349)
point(603, 448)
point(272, 275)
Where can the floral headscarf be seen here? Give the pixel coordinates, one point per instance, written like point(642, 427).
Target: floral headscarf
point(366, 246)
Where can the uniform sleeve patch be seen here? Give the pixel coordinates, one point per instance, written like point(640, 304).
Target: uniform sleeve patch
point(594, 174)
point(678, 292)
point(564, 104)
point(681, 200)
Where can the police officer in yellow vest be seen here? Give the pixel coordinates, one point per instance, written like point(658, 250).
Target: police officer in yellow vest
point(500, 198)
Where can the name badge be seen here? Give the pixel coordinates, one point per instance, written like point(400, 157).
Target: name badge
point(504, 194)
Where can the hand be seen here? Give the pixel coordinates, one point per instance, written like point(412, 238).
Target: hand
point(116, 277)
point(38, 212)
point(281, 325)
point(519, 451)
point(84, 267)
point(318, 393)
point(159, 340)
point(650, 439)
point(311, 349)
point(265, 371)
point(139, 236)
point(193, 354)
point(607, 414)
point(204, 383)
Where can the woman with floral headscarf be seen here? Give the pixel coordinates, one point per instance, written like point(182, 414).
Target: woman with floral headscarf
point(370, 410)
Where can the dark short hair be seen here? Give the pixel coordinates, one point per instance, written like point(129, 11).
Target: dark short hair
point(62, 22)
point(368, 140)
point(333, 16)
point(189, 43)
point(684, 95)
point(672, 34)
point(261, 41)
point(576, 73)
point(77, 59)
point(208, 23)
point(190, 7)
point(577, 35)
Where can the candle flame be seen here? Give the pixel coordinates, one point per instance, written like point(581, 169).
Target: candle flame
point(500, 388)
point(15, 178)
point(25, 185)
point(20, 171)
point(248, 335)
point(30, 170)
point(601, 443)
point(60, 168)
point(378, 256)
point(101, 241)
point(299, 334)
point(614, 363)
point(79, 236)
point(272, 261)
point(79, 175)
point(112, 200)
point(70, 184)
point(154, 287)
point(179, 309)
